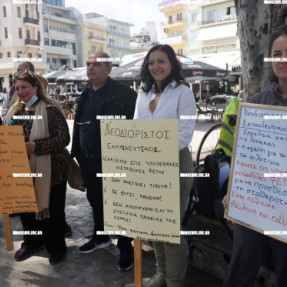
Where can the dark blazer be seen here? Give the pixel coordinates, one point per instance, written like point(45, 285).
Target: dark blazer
point(118, 100)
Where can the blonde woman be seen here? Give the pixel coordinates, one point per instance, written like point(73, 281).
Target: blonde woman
point(46, 133)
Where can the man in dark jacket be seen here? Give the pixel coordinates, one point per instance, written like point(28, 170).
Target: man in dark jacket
point(102, 97)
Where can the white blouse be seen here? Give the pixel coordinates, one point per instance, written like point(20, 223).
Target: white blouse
point(174, 103)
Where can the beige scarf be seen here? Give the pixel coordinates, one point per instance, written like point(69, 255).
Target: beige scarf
point(39, 164)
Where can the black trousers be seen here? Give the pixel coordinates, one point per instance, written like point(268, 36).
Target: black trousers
point(90, 168)
point(52, 228)
point(94, 184)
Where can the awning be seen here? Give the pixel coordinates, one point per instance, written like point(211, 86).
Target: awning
point(199, 79)
point(78, 74)
point(221, 59)
point(132, 70)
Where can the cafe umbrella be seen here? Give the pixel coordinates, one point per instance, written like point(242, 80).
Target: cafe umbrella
point(79, 74)
point(131, 71)
point(52, 76)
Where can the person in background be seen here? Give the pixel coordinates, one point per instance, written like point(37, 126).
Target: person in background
point(241, 95)
point(250, 247)
point(164, 96)
point(227, 131)
point(2, 96)
point(45, 135)
point(197, 96)
point(102, 96)
point(12, 95)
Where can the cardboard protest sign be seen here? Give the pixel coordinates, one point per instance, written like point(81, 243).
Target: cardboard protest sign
point(141, 190)
point(16, 186)
point(257, 191)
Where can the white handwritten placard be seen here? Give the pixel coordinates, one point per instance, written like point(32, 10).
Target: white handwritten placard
point(140, 162)
point(257, 192)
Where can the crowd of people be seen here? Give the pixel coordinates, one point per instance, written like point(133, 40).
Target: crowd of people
point(163, 95)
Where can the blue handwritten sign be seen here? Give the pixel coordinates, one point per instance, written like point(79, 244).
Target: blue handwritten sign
point(257, 192)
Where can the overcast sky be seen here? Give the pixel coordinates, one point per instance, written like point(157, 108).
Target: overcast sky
point(136, 12)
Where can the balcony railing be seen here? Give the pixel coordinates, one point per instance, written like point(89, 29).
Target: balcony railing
point(99, 49)
point(174, 40)
point(96, 38)
point(63, 30)
point(227, 17)
point(65, 16)
point(113, 46)
point(54, 67)
point(31, 20)
point(175, 22)
point(223, 18)
point(123, 34)
point(32, 42)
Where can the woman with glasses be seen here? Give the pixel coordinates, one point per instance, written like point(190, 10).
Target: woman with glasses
point(46, 133)
point(164, 96)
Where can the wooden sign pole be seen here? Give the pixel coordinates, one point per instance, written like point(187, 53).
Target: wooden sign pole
point(8, 232)
point(138, 262)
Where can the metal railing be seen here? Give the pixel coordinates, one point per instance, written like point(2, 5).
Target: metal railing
point(32, 42)
point(31, 20)
point(96, 38)
point(223, 18)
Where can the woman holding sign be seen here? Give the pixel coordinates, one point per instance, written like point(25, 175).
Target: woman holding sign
point(46, 133)
point(164, 96)
point(250, 247)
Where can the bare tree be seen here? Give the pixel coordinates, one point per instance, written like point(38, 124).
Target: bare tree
point(256, 22)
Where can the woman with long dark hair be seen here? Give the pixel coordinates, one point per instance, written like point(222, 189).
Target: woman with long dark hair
point(46, 133)
point(164, 96)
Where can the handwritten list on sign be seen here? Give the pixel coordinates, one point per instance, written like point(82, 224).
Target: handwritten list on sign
point(16, 192)
point(142, 199)
point(258, 189)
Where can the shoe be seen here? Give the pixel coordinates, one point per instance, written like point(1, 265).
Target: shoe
point(91, 245)
point(23, 254)
point(56, 258)
point(67, 230)
point(158, 280)
point(126, 264)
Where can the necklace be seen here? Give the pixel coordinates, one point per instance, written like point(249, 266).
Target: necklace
point(153, 103)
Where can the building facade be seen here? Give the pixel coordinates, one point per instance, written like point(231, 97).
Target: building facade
point(194, 19)
point(104, 34)
point(175, 24)
point(204, 30)
point(118, 36)
point(60, 35)
point(146, 38)
point(21, 39)
point(94, 35)
point(218, 39)
point(60, 3)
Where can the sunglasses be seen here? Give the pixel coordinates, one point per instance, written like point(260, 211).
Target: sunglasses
point(23, 72)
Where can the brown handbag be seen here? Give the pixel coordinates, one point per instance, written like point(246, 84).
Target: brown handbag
point(75, 179)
